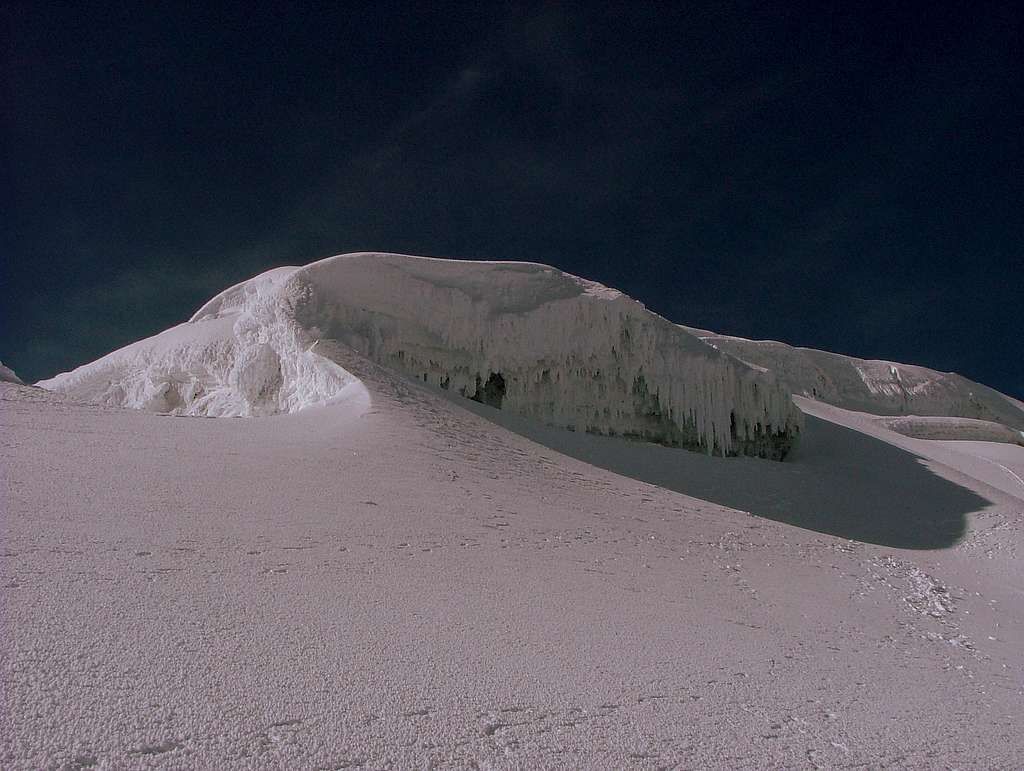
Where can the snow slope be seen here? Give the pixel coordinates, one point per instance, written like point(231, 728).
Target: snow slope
point(998, 465)
point(851, 477)
point(377, 575)
point(393, 582)
point(520, 336)
point(7, 375)
point(878, 387)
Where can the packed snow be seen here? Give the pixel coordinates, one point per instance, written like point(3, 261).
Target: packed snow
point(523, 337)
point(391, 581)
point(879, 387)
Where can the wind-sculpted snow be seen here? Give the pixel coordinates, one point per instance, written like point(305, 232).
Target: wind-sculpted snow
point(249, 359)
point(519, 336)
point(879, 387)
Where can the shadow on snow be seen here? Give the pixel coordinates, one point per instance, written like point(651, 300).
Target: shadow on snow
point(838, 481)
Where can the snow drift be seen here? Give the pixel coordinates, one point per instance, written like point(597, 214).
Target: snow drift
point(878, 387)
point(522, 337)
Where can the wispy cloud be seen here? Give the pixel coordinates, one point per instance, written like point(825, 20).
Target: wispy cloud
point(450, 98)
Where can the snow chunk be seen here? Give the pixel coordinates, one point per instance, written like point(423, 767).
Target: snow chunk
point(7, 375)
point(235, 299)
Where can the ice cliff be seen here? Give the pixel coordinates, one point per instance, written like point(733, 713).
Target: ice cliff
point(521, 337)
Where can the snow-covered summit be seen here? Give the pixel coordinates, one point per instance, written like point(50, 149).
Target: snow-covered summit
point(523, 337)
point(878, 387)
point(7, 375)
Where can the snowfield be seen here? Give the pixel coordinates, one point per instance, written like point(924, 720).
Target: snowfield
point(520, 336)
point(377, 572)
point(393, 581)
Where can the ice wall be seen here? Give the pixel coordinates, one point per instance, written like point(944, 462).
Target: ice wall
point(546, 345)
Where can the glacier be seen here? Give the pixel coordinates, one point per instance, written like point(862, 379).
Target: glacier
point(522, 337)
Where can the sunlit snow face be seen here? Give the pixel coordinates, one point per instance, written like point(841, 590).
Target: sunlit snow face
point(519, 336)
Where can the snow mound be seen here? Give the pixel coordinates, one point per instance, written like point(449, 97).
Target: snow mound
point(878, 387)
point(523, 337)
point(7, 375)
point(248, 358)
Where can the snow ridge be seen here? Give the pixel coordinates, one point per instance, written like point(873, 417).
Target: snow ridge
point(522, 337)
point(878, 387)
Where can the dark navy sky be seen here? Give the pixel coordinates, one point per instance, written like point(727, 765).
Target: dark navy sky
point(843, 178)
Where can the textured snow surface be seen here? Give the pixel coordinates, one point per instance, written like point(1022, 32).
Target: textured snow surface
point(7, 375)
point(520, 336)
point(246, 358)
point(879, 387)
point(393, 582)
point(955, 429)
